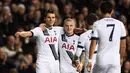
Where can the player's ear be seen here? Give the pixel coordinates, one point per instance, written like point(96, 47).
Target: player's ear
point(112, 12)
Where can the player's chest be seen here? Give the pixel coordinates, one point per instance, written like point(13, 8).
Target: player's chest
point(70, 45)
point(49, 37)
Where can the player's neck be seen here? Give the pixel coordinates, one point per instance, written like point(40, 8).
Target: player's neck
point(69, 34)
point(90, 26)
point(107, 15)
point(49, 27)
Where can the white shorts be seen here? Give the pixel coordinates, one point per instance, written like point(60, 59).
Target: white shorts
point(106, 68)
point(48, 67)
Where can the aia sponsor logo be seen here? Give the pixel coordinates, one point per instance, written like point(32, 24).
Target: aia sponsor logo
point(50, 39)
point(68, 46)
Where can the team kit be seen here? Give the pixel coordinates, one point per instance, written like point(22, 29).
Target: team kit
point(100, 49)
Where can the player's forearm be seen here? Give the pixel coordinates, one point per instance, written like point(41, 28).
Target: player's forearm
point(78, 52)
point(122, 48)
point(81, 63)
point(25, 34)
point(77, 55)
point(92, 48)
point(82, 58)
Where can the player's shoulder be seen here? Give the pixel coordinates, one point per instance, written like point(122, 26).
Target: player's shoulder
point(57, 27)
point(84, 34)
point(118, 21)
point(99, 21)
point(75, 35)
point(89, 31)
point(96, 23)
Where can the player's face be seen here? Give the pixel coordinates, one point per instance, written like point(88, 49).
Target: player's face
point(69, 27)
point(50, 19)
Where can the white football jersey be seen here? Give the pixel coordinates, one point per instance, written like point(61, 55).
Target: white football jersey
point(67, 47)
point(85, 41)
point(47, 43)
point(84, 44)
point(108, 32)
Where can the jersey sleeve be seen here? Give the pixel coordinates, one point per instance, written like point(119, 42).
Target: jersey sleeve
point(80, 46)
point(81, 42)
point(95, 35)
point(35, 31)
point(123, 32)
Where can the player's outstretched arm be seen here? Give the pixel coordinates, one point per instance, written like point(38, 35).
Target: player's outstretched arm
point(23, 34)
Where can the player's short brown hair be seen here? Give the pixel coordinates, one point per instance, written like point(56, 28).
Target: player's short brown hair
point(91, 18)
point(106, 7)
point(49, 11)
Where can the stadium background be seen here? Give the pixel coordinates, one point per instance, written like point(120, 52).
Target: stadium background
point(23, 15)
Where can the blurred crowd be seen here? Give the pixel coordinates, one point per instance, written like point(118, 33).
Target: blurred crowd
point(23, 15)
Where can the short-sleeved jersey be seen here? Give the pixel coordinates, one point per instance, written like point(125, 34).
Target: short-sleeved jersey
point(67, 47)
point(85, 41)
point(47, 43)
point(108, 32)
